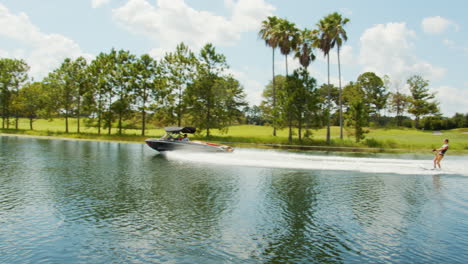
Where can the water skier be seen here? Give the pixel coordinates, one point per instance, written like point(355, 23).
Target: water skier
point(440, 153)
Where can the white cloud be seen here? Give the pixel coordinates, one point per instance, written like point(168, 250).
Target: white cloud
point(43, 52)
point(172, 21)
point(455, 46)
point(437, 25)
point(99, 3)
point(452, 100)
point(388, 49)
point(248, 14)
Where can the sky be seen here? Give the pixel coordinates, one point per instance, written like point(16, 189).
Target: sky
point(395, 38)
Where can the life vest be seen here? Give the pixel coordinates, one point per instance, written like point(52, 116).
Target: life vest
point(444, 150)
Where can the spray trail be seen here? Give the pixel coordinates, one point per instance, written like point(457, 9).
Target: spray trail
point(277, 159)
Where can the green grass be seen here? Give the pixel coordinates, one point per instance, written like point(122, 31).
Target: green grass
point(415, 139)
point(407, 140)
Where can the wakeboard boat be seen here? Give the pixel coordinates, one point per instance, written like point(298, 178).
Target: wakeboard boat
point(176, 139)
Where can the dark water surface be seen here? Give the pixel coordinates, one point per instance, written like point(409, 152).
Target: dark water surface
point(98, 202)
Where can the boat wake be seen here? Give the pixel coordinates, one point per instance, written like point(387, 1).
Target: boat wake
point(278, 159)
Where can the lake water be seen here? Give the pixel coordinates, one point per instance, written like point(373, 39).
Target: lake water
point(97, 202)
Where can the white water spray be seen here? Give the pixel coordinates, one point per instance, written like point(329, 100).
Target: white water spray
point(278, 159)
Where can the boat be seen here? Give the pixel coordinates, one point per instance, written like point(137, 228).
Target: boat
point(174, 140)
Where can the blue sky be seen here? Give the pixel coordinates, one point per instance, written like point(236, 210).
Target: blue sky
point(396, 38)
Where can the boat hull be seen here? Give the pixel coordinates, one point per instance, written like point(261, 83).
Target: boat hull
point(189, 146)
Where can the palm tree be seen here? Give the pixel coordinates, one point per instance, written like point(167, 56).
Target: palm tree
point(288, 38)
point(268, 34)
point(304, 51)
point(338, 36)
point(325, 43)
point(288, 41)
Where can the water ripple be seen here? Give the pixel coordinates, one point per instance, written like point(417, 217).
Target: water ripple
point(96, 202)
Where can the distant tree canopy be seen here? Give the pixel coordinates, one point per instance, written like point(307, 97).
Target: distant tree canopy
point(375, 92)
point(357, 109)
point(363, 102)
point(118, 87)
point(420, 100)
point(119, 90)
point(13, 75)
point(214, 99)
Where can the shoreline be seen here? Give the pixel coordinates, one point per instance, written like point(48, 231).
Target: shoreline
point(2, 134)
point(343, 149)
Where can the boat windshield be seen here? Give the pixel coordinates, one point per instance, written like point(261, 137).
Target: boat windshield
point(167, 136)
point(173, 136)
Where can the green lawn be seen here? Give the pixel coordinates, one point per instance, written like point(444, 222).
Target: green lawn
point(403, 138)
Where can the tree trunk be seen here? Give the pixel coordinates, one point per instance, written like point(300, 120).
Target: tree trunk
point(99, 124)
point(289, 115)
point(208, 124)
point(340, 96)
point(66, 110)
point(179, 112)
point(300, 129)
point(66, 124)
point(143, 125)
point(7, 114)
point(3, 113)
point(109, 124)
point(329, 100)
point(66, 121)
point(16, 122)
point(208, 121)
point(31, 123)
point(120, 112)
point(274, 94)
point(120, 123)
point(109, 118)
point(99, 114)
point(398, 117)
point(78, 115)
point(143, 116)
point(399, 110)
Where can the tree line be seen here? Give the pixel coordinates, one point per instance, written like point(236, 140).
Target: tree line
point(119, 90)
point(295, 100)
point(366, 102)
point(118, 87)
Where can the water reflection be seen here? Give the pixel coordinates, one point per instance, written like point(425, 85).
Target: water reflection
point(301, 235)
point(99, 202)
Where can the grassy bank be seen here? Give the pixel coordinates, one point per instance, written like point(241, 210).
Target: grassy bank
point(405, 140)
